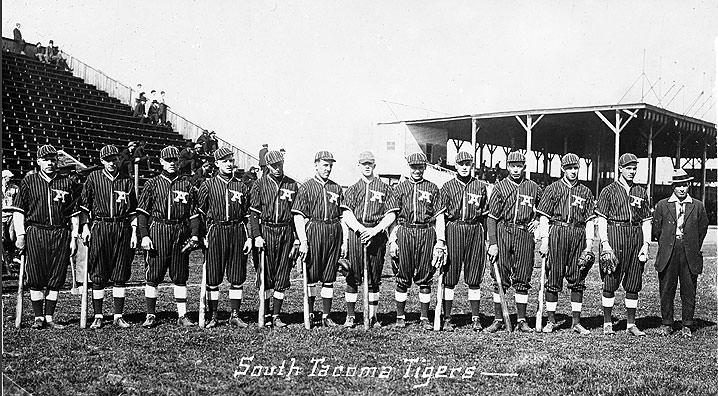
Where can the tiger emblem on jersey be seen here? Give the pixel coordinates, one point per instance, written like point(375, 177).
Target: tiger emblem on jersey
point(578, 201)
point(59, 195)
point(526, 200)
point(424, 196)
point(180, 196)
point(121, 196)
point(376, 196)
point(286, 194)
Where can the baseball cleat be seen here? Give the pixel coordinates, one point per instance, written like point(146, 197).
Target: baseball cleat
point(608, 329)
point(54, 326)
point(96, 324)
point(328, 322)
point(523, 327)
point(686, 332)
point(39, 323)
point(476, 324)
point(580, 330)
point(349, 322)
point(211, 324)
point(184, 321)
point(277, 323)
point(374, 323)
point(448, 326)
point(665, 330)
point(497, 325)
point(426, 324)
point(400, 323)
point(149, 321)
point(549, 328)
point(121, 323)
point(235, 321)
point(268, 320)
point(635, 331)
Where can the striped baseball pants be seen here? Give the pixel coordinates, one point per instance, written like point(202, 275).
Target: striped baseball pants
point(516, 257)
point(109, 254)
point(416, 247)
point(47, 256)
point(565, 247)
point(626, 242)
point(278, 241)
point(168, 240)
point(376, 251)
point(465, 246)
point(325, 242)
point(225, 255)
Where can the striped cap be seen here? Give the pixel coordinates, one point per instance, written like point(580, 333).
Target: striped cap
point(366, 156)
point(169, 152)
point(222, 153)
point(108, 150)
point(569, 159)
point(45, 151)
point(627, 158)
point(274, 156)
point(516, 156)
point(416, 159)
point(324, 155)
point(464, 156)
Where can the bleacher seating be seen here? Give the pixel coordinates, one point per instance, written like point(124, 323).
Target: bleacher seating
point(43, 104)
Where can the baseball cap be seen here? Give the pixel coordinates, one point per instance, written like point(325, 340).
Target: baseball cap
point(7, 173)
point(222, 153)
point(274, 156)
point(516, 156)
point(169, 152)
point(265, 145)
point(627, 158)
point(464, 156)
point(324, 155)
point(679, 176)
point(366, 156)
point(569, 159)
point(416, 159)
point(46, 151)
point(108, 150)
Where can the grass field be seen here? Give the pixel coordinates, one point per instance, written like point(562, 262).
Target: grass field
point(174, 361)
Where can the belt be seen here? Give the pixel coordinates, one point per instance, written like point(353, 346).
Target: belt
point(111, 219)
point(614, 223)
point(466, 222)
point(373, 224)
point(49, 226)
point(519, 226)
point(330, 221)
point(564, 224)
point(226, 222)
point(270, 224)
point(171, 221)
point(416, 225)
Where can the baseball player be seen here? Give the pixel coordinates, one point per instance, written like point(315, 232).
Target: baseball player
point(272, 197)
point(566, 227)
point(511, 223)
point(108, 203)
point(624, 228)
point(46, 224)
point(367, 199)
point(415, 239)
point(9, 192)
point(465, 202)
point(169, 201)
point(317, 211)
point(224, 202)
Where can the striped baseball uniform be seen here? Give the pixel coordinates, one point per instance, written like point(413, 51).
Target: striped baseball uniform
point(322, 203)
point(48, 202)
point(416, 203)
point(368, 200)
point(224, 202)
point(271, 204)
point(465, 203)
point(568, 209)
point(512, 206)
point(169, 200)
point(109, 201)
point(625, 208)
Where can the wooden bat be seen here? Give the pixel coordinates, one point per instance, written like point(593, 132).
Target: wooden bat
point(262, 305)
point(502, 296)
point(539, 311)
point(439, 301)
point(307, 323)
point(203, 296)
point(73, 267)
point(83, 302)
point(20, 281)
point(366, 287)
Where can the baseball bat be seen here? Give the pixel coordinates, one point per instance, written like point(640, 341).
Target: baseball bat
point(262, 305)
point(307, 324)
point(439, 301)
point(502, 296)
point(20, 281)
point(73, 267)
point(137, 179)
point(83, 303)
point(539, 312)
point(366, 287)
point(203, 296)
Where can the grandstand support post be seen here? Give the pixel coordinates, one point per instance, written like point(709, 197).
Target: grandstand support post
point(598, 167)
point(137, 180)
point(651, 165)
point(565, 144)
point(678, 150)
point(703, 170)
point(474, 130)
point(616, 128)
point(528, 127)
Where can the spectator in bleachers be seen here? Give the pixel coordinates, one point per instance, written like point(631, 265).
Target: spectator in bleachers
point(204, 172)
point(153, 114)
point(140, 157)
point(262, 160)
point(202, 140)
point(212, 144)
point(19, 42)
point(188, 160)
point(9, 191)
point(153, 95)
point(126, 159)
point(134, 95)
point(56, 57)
point(140, 111)
point(163, 108)
point(40, 53)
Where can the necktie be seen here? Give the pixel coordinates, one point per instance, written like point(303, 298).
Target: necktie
point(681, 212)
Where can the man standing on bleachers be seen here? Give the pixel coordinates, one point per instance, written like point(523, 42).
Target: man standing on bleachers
point(19, 42)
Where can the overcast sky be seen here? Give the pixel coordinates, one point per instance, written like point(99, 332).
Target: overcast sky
point(307, 75)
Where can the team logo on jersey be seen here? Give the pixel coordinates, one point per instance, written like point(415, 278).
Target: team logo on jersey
point(59, 195)
point(636, 201)
point(121, 196)
point(236, 195)
point(180, 196)
point(578, 201)
point(333, 197)
point(424, 196)
point(286, 194)
point(376, 196)
point(526, 200)
point(473, 199)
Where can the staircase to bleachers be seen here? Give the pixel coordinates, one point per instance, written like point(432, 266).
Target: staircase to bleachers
point(42, 104)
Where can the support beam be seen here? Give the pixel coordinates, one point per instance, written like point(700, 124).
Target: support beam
point(650, 161)
point(616, 128)
point(588, 165)
point(678, 149)
point(474, 131)
point(598, 167)
point(528, 127)
point(703, 170)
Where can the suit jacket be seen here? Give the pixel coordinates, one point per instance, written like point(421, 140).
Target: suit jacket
point(695, 227)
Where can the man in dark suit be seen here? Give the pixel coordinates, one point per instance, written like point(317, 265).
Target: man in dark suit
point(680, 224)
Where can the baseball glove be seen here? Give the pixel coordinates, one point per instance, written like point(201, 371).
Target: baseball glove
point(294, 253)
point(608, 262)
point(344, 266)
point(190, 245)
point(586, 260)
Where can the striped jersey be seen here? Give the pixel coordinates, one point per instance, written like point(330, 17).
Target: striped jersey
point(415, 201)
point(368, 199)
point(464, 201)
point(569, 204)
point(164, 197)
point(617, 204)
point(514, 203)
point(272, 199)
point(48, 200)
point(8, 201)
point(105, 195)
point(319, 200)
point(223, 198)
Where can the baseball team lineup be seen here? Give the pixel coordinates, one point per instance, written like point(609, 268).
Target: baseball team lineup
point(431, 234)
